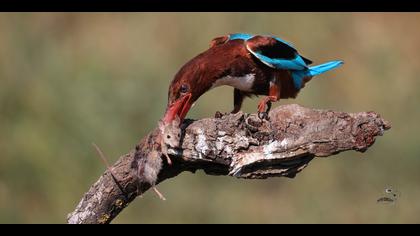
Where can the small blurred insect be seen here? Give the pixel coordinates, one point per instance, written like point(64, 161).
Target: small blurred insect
point(392, 196)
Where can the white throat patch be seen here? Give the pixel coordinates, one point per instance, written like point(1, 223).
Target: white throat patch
point(243, 83)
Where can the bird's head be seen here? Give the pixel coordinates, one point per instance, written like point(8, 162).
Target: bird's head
point(179, 102)
point(193, 80)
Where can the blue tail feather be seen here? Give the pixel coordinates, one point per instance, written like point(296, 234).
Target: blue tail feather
point(299, 75)
point(319, 69)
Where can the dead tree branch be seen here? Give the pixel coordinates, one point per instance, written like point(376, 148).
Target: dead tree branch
point(238, 145)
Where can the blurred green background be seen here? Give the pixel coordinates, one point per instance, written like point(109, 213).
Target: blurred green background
point(67, 80)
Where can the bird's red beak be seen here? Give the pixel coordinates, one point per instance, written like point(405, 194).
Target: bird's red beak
point(178, 108)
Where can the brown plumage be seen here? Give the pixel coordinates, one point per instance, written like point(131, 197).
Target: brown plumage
point(244, 62)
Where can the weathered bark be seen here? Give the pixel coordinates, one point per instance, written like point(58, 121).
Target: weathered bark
point(238, 145)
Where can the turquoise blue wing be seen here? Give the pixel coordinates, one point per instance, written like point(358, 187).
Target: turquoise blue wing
point(240, 36)
point(245, 37)
point(276, 53)
point(224, 39)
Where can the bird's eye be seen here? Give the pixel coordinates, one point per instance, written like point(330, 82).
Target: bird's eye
point(184, 88)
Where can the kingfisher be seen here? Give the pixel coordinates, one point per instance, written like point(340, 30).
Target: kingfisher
point(251, 64)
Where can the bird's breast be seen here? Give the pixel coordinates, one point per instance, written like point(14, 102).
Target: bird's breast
point(244, 83)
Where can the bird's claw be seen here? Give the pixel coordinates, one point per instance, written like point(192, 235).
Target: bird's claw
point(263, 108)
point(263, 115)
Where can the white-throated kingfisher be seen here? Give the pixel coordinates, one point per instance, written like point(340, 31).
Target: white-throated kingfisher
point(252, 64)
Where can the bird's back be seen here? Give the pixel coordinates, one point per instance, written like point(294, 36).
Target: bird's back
point(229, 59)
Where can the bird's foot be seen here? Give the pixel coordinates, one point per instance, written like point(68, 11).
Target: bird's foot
point(263, 108)
point(235, 110)
point(263, 115)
